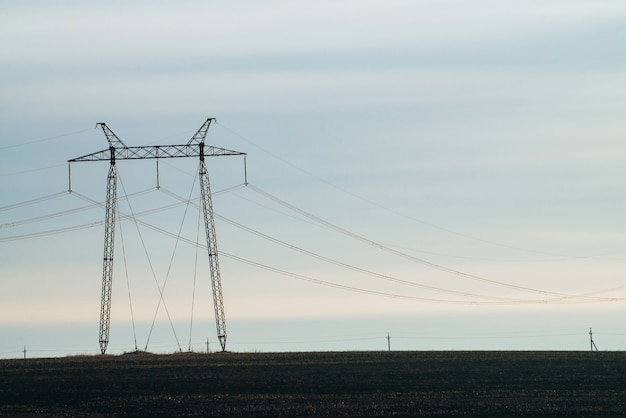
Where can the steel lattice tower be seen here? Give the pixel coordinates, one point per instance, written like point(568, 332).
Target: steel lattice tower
point(119, 151)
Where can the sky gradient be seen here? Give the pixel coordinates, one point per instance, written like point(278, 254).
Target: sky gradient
point(451, 172)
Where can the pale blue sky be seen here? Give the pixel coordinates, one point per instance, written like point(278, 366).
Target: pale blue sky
point(486, 137)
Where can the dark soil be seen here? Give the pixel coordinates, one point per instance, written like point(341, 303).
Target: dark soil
point(366, 384)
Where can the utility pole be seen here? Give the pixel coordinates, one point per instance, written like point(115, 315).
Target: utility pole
point(207, 346)
point(388, 342)
point(24, 351)
point(592, 344)
point(119, 151)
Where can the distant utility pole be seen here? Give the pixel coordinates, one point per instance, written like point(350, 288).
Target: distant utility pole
point(593, 345)
point(388, 342)
point(207, 346)
point(24, 351)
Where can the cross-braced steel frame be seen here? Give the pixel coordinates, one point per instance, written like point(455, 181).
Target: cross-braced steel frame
point(119, 151)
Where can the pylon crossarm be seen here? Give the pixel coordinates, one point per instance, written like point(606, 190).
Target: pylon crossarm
point(152, 152)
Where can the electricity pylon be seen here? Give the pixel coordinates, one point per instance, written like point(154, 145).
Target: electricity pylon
point(119, 151)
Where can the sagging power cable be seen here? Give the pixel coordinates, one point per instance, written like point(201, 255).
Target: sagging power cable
point(386, 277)
point(400, 253)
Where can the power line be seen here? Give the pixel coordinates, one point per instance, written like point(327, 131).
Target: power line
point(379, 205)
point(32, 201)
point(31, 170)
point(378, 275)
point(92, 202)
point(90, 224)
point(496, 300)
point(298, 276)
point(161, 289)
point(46, 217)
point(51, 232)
point(561, 299)
point(130, 301)
point(342, 264)
point(408, 297)
point(568, 299)
point(50, 138)
point(402, 254)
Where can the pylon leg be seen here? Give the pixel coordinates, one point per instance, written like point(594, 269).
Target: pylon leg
point(107, 266)
point(216, 282)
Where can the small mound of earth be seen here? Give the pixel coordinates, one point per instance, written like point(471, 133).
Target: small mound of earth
point(137, 353)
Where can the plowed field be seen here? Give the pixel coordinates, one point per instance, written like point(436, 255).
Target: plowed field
point(366, 384)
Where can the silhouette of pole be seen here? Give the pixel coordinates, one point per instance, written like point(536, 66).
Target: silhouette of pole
point(107, 263)
point(214, 266)
point(591, 343)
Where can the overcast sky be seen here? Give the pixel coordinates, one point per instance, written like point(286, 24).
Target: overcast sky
point(467, 159)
